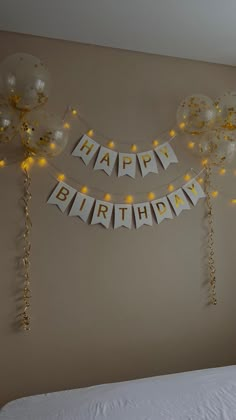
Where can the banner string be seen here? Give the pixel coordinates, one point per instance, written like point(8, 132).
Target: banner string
point(59, 176)
point(72, 113)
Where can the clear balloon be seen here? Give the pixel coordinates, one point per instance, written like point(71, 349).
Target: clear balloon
point(228, 135)
point(24, 81)
point(9, 123)
point(43, 134)
point(226, 110)
point(225, 151)
point(214, 147)
point(196, 114)
point(203, 146)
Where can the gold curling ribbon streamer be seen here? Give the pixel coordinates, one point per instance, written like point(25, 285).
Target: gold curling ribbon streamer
point(210, 242)
point(25, 316)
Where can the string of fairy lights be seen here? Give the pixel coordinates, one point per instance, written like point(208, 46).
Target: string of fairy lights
point(61, 176)
point(72, 113)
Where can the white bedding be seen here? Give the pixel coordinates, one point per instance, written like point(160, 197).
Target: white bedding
point(200, 395)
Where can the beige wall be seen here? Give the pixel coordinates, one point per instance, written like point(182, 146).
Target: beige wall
point(114, 305)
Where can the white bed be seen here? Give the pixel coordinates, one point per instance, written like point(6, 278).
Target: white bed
point(200, 395)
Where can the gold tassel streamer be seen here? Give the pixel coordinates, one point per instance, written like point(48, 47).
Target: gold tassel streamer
point(210, 242)
point(25, 316)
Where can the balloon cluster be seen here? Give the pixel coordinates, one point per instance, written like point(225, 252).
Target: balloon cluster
point(213, 124)
point(24, 89)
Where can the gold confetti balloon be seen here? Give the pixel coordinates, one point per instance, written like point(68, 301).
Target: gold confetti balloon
point(9, 123)
point(213, 147)
point(196, 114)
point(203, 146)
point(226, 110)
point(43, 134)
point(24, 81)
point(225, 151)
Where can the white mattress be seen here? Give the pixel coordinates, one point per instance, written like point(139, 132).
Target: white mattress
point(200, 395)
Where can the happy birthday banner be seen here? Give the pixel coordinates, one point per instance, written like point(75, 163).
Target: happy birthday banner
point(127, 162)
point(94, 211)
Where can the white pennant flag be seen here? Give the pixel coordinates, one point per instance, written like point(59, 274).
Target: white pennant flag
point(194, 191)
point(82, 206)
point(178, 201)
point(62, 196)
point(86, 149)
point(166, 154)
point(147, 163)
point(106, 160)
point(123, 216)
point(143, 215)
point(162, 209)
point(102, 213)
point(127, 164)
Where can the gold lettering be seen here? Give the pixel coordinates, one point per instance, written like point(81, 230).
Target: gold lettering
point(106, 158)
point(164, 150)
point(87, 146)
point(62, 194)
point(123, 209)
point(127, 160)
point(82, 204)
point(178, 201)
point(102, 209)
point(140, 212)
point(161, 208)
point(146, 159)
point(193, 189)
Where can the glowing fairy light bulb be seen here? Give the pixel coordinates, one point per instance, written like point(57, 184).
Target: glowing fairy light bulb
point(151, 195)
point(42, 162)
point(155, 143)
point(61, 177)
point(191, 144)
point(222, 171)
point(171, 188)
point(2, 163)
point(133, 148)
point(25, 165)
point(233, 201)
point(107, 197)
point(200, 180)
point(74, 112)
point(214, 194)
point(66, 125)
point(204, 162)
point(84, 189)
point(129, 199)
point(111, 144)
point(172, 133)
point(182, 125)
point(30, 159)
point(90, 133)
point(53, 146)
point(187, 177)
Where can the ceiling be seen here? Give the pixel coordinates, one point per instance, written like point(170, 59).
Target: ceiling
point(196, 29)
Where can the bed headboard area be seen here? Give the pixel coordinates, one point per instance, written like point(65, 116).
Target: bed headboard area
point(114, 304)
